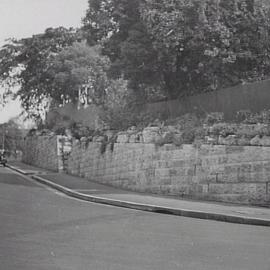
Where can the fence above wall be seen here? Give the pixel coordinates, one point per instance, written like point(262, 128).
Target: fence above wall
point(254, 97)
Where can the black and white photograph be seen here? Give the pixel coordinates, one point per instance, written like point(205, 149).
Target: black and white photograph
point(135, 134)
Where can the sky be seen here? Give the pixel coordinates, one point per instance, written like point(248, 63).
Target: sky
point(24, 18)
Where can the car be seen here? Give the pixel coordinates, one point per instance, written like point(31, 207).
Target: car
point(3, 160)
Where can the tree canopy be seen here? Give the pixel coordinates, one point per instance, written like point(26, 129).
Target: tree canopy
point(182, 46)
point(24, 62)
point(56, 67)
point(156, 48)
point(78, 71)
point(118, 27)
point(11, 136)
point(206, 45)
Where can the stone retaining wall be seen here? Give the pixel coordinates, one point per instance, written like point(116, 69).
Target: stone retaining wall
point(218, 172)
point(41, 151)
point(213, 172)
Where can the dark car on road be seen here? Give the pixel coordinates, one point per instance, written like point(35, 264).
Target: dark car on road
point(3, 160)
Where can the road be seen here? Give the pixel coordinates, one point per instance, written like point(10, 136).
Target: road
point(44, 230)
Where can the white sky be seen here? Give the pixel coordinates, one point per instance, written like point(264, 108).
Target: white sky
point(23, 18)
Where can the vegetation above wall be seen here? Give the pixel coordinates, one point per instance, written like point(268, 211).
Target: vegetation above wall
point(140, 51)
point(246, 130)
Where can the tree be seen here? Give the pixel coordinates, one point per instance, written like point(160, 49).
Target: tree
point(117, 26)
point(79, 74)
point(179, 46)
point(210, 44)
point(24, 63)
point(53, 68)
point(78, 71)
point(11, 136)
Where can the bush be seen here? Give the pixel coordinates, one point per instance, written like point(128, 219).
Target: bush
point(189, 135)
point(186, 121)
point(32, 132)
point(200, 133)
point(247, 117)
point(223, 129)
point(242, 116)
point(168, 137)
point(247, 131)
point(78, 130)
point(213, 118)
point(178, 140)
point(60, 131)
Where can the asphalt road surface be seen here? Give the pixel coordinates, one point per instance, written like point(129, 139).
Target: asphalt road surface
point(43, 230)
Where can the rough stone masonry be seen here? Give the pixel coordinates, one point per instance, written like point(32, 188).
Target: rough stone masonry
point(213, 172)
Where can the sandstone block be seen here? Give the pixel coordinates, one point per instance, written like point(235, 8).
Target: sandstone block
point(255, 141)
point(122, 138)
point(135, 138)
point(98, 139)
point(151, 134)
point(265, 141)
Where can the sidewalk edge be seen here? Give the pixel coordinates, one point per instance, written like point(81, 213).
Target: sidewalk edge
point(147, 207)
point(156, 208)
point(17, 169)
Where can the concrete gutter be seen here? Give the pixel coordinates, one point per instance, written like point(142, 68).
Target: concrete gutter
point(18, 170)
point(29, 173)
point(148, 207)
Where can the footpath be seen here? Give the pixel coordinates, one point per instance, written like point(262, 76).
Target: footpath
point(84, 189)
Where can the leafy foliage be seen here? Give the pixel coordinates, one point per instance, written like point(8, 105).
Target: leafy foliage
point(156, 48)
point(78, 71)
point(182, 47)
point(54, 68)
point(118, 27)
point(24, 62)
point(206, 45)
point(11, 136)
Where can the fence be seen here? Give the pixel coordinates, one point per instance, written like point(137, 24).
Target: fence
point(254, 97)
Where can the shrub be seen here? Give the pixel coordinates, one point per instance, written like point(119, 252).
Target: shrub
point(242, 116)
point(189, 135)
point(78, 130)
point(200, 133)
point(262, 117)
point(213, 118)
point(32, 132)
point(60, 131)
point(247, 131)
point(223, 129)
point(178, 140)
point(168, 137)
